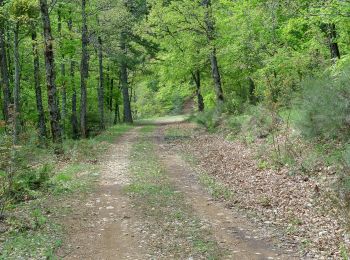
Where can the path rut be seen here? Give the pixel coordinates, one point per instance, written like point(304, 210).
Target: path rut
point(107, 225)
point(233, 232)
point(106, 228)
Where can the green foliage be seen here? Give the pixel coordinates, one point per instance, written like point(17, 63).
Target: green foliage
point(260, 123)
point(38, 177)
point(325, 107)
point(24, 11)
point(209, 118)
point(237, 123)
point(28, 181)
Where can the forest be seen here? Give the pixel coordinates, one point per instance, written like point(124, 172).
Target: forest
point(139, 99)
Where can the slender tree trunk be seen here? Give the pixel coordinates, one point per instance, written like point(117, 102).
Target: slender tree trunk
point(117, 110)
point(101, 85)
point(9, 56)
point(116, 114)
point(116, 104)
point(1, 99)
point(84, 71)
point(74, 117)
point(215, 71)
point(17, 85)
point(110, 87)
point(216, 76)
point(124, 83)
point(63, 76)
point(38, 95)
point(50, 76)
point(75, 127)
point(252, 97)
point(197, 79)
point(333, 45)
point(64, 98)
point(4, 72)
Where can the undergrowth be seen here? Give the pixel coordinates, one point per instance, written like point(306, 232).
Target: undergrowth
point(41, 182)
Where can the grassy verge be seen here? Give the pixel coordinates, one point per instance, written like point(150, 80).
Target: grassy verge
point(30, 229)
point(178, 233)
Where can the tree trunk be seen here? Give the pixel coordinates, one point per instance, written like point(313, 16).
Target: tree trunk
point(16, 91)
point(117, 114)
point(4, 72)
point(63, 76)
point(84, 71)
point(116, 111)
point(38, 95)
point(101, 85)
point(75, 127)
point(110, 87)
point(64, 98)
point(124, 83)
point(9, 56)
point(50, 76)
point(333, 45)
point(215, 71)
point(216, 76)
point(74, 117)
point(252, 97)
point(197, 79)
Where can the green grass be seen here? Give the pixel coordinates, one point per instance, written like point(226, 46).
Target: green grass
point(112, 133)
point(162, 120)
point(67, 181)
point(31, 245)
point(178, 232)
point(216, 189)
point(32, 228)
point(175, 133)
point(147, 129)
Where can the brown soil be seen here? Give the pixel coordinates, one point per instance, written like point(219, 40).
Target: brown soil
point(302, 207)
point(105, 224)
point(238, 235)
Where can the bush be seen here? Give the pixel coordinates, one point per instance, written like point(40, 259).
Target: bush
point(27, 182)
point(259, 122)
point(237, 123)
point(209, 118)
point(325, 107)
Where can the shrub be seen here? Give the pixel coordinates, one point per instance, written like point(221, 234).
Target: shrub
point(261, 123)
point(209, 118)
point(28, 181)
point(325, 107)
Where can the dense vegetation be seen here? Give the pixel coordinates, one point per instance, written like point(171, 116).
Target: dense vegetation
point(72, 68)
point(105, 59)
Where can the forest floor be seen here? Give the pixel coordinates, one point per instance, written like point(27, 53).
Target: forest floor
point(152, 203)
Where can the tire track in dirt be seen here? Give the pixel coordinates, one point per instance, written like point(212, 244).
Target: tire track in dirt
point(104, 226)
point(232, 231)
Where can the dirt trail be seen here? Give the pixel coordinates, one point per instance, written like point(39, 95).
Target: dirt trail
point(105, 226)
point(233, 232)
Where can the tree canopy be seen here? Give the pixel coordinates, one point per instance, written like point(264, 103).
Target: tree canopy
point(119, 60)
